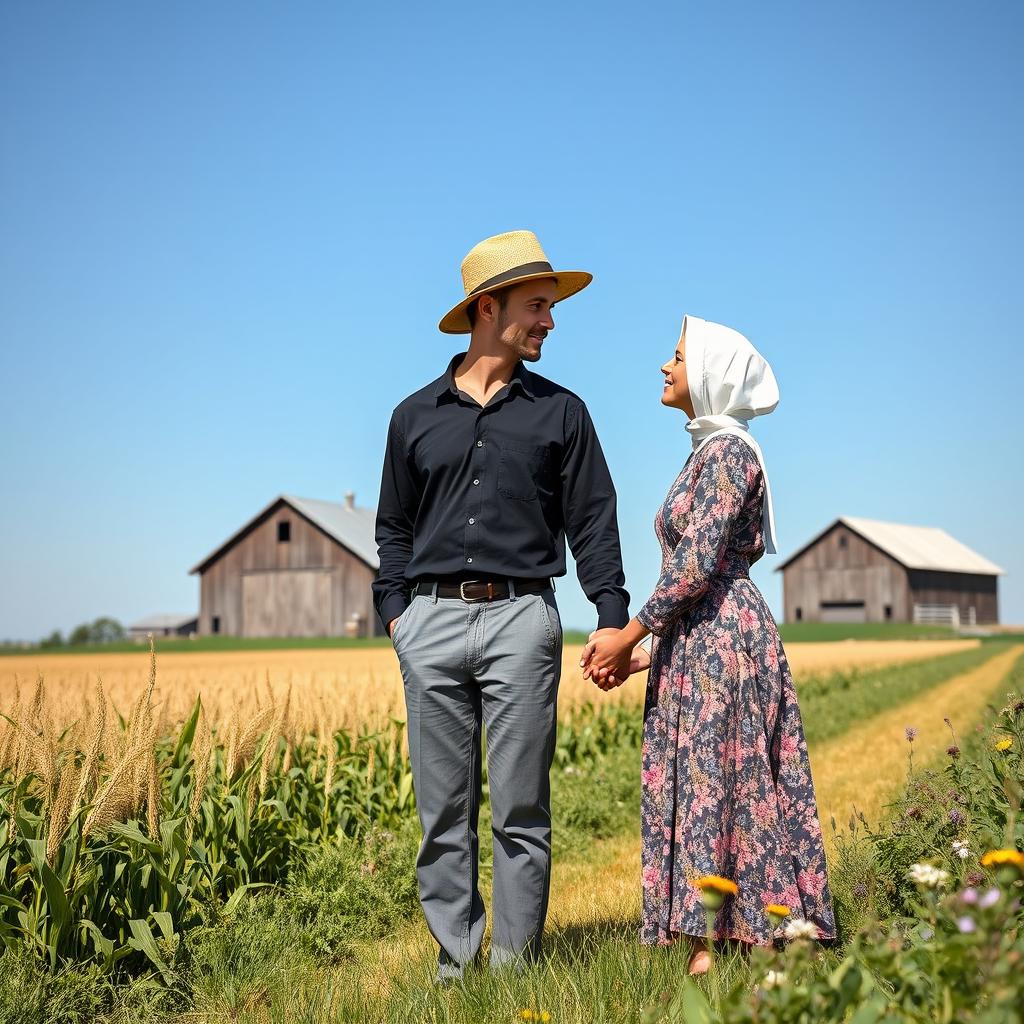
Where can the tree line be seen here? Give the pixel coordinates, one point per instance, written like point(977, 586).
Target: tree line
point(103, 630)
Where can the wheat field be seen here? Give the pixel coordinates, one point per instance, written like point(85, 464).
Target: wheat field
point(335, 688)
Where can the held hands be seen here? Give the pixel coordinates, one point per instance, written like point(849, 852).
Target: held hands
point(609, 657)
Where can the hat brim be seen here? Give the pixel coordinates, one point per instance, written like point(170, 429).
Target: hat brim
point(568, 282)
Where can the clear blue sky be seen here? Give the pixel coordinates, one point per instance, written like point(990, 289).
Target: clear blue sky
point(227, 232)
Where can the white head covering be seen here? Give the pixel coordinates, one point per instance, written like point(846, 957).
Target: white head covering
point(730, 383)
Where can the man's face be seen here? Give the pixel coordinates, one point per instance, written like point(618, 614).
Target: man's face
point(524, 318)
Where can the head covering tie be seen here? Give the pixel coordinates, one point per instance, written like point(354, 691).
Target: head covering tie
point(730, 383)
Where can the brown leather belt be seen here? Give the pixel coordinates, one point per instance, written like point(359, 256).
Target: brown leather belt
point(483, 590)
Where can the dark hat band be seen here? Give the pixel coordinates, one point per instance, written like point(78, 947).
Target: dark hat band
point(538, 267)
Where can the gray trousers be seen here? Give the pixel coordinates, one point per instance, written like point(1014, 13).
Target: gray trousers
point(464, 665)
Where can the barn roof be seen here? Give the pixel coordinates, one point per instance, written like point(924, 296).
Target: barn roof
point(352, 527)
point(914, 547)
point(164, 621)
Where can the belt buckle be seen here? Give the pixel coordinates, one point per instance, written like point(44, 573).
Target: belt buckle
point(475, 600)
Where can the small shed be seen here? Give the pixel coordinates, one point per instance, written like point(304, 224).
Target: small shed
point(164, 625)
point(299, 567)
point(865, 570)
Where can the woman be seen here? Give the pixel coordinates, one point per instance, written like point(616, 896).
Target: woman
point(726, 781)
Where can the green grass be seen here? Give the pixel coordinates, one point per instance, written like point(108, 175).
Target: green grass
point(589, 975)
point(827, 632)
point(171, 644)
point(794, 632)
point(830, 704)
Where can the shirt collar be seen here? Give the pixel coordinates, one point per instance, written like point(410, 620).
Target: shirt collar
point(445, 384)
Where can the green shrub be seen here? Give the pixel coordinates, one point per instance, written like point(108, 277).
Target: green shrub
point(356, 890)
point(31, 993)
point(597, 799)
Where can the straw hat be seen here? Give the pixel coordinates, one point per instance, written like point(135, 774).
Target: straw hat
point(501, 262)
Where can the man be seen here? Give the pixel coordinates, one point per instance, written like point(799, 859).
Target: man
point(487, 470)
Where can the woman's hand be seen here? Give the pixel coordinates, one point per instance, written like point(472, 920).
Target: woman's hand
point(641, 659)
point(612, 655)
point(607, 658)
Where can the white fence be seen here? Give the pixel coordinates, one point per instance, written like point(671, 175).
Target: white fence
point(943, 615)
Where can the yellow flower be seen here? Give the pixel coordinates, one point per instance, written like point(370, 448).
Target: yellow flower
point(777, 910)
point(545, 1016)
point(715, 883)
point(714, 889)
point(527, 1015)
point(1004, 745)
point(998, 858)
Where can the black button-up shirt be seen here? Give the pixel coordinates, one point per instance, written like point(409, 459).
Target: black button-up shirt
point(471, 492)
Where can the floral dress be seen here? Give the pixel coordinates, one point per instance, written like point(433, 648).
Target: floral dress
point(726, 781)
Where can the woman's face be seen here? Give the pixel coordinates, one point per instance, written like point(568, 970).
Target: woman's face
point(676, 392)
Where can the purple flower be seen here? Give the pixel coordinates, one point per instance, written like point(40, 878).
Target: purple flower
point(990, 898)
point(911, 733)
point(975, 878)
point(860, 890)
point(956, 816)
point(965, 924)
point(969, 896)
point(912, 812)
point(953, 751)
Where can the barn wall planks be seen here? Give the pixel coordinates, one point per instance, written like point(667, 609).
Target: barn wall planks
point(339, 588)
point(842, 567)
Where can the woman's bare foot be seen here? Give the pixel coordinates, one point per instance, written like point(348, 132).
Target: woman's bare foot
point(700, 959)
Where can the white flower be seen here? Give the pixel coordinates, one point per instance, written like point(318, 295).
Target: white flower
point(774, 979)
point(961, 848)
point(798, 928)
point(927, 875)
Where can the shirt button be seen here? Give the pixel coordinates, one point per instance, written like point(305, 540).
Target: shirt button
point(469, 559)
point(479, 444)
point(472, 521)
point(476, 482)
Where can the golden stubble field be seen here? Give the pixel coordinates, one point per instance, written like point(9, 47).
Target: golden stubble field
point(339, 688)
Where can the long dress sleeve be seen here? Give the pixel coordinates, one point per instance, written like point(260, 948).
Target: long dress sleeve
point(721, 487)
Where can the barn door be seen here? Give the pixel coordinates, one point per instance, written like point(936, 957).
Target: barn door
point(286, 602)
point(843, 611)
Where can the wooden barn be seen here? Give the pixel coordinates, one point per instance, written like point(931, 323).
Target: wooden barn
point(863, 570)
point(163, 625)
point(298, 568)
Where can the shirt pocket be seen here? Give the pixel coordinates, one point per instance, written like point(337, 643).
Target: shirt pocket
point(520, 469)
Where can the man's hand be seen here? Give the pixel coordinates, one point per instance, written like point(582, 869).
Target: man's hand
point(391, 624)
